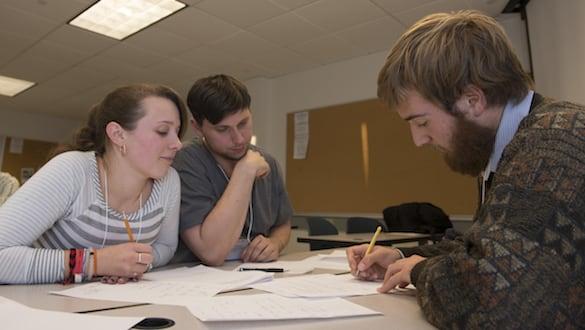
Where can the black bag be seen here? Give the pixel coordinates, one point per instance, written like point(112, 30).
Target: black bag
point(417, 217)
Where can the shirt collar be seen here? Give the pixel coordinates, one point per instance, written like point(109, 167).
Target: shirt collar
point(511, 118)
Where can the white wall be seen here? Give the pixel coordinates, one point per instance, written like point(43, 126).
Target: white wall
point(37, 126)
point(557, 36)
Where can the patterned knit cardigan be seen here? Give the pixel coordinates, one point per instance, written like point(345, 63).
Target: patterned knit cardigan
point(521, 264)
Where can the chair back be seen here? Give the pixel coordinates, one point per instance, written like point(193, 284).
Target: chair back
point(364, 225)
point(321, 226)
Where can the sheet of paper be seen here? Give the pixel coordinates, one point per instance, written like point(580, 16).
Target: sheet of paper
point(273, 307)
point(155, 292)
point(172, 287)
point(202, 274)
point(16, 316)
point(322, 285)
point(335, 260)
point(301, 135)
point(289, 267)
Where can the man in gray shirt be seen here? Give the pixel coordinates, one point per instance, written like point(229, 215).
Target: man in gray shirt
point(233, 201)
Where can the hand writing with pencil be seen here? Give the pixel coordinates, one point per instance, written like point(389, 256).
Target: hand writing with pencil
point(382, 263)
point(123, 262)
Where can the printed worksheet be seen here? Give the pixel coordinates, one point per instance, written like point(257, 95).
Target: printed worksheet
point(273, 307)
point(322, 285)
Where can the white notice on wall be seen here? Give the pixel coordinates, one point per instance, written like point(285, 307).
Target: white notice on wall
point(301, 132)
point(16, 145)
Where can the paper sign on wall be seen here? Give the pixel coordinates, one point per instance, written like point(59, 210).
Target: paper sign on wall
point(301, 132)
point(16, 145)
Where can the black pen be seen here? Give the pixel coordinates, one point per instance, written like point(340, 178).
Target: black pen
point(270, 270)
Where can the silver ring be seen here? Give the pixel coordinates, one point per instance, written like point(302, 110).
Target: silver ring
point(139, 258)
point(149, 267)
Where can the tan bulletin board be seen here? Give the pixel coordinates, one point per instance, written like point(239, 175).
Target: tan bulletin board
point(34, 155)
point(337, 176)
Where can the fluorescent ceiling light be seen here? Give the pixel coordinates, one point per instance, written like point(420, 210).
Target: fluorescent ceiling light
point(121, 18)
point(12, 86)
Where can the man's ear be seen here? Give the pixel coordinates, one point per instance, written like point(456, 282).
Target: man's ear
point(196, 127)
point(472, 101)
point(116, 133)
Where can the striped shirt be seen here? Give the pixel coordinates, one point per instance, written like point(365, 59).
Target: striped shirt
point(62, 207)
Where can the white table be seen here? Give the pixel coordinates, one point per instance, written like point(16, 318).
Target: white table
point(400, 311)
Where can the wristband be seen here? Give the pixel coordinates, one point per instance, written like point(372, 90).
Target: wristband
point(78, 269)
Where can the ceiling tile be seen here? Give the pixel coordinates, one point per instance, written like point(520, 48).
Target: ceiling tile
point(327, 49)
point(205, 58)
point(79, 39)
point(281, 61)
point(292, 4)
point(244, 45)
point(374, 36)
point(80, 79)
point(242, 70)
point(489, 7)
point(197, 26)
point(409, 17)
point(241, 13)
point(25, 24)
point(334, 15)
point(55, 52)
point(12, 46)
point(394, 6)
point(161, 42)
point(60, 11)
point(110, 66)
point(32, 68)
point(132, 55)
point(168, 71)
point(287, 29)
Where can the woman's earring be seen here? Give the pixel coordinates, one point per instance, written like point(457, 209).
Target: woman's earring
point(123, 150)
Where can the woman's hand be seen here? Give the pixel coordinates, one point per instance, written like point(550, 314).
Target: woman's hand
point(124, 261)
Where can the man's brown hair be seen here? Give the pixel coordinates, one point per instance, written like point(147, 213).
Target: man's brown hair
point(443, 53)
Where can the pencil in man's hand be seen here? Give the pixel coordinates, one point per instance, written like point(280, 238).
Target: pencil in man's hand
point(371, 246)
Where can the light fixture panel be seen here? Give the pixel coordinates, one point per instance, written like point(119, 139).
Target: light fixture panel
point(11, 86)
point(120, 18)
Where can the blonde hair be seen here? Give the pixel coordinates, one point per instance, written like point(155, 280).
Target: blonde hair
point(443, 53)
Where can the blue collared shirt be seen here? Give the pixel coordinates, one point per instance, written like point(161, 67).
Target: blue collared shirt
point(511, 118)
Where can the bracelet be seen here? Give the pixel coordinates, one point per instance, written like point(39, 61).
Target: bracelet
point(87, 271)
point(95, 263)
point(69, 279)
point(78, 269)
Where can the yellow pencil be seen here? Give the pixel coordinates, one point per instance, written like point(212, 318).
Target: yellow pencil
point(128, 230)
point(371, 246)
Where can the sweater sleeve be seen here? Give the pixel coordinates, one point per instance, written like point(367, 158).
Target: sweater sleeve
point(165, 245)
point(33, 209)
point(521, 264)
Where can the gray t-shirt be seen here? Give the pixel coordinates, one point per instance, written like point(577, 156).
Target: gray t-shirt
point(203, 183)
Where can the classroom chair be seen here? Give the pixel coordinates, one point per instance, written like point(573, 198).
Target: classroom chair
point(320, 226)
